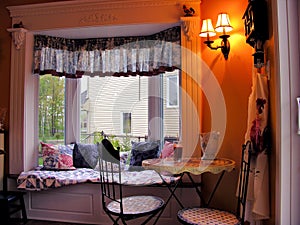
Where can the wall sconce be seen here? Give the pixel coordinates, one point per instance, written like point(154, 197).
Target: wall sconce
point(222, 26)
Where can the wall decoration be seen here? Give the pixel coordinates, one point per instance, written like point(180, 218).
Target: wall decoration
point(256, 28)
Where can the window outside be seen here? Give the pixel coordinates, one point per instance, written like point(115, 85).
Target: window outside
point(126, 119)
point(172, 91)
point(51, 108)
point(114, 106)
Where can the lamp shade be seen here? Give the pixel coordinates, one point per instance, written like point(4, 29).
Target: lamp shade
point(207, 29)
point(223, 23)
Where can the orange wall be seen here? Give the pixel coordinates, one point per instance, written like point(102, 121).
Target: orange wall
point(234, 77)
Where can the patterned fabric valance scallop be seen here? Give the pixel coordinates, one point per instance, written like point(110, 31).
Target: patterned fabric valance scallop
point(117, 56)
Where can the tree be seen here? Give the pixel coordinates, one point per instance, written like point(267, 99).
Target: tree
point(51, 106)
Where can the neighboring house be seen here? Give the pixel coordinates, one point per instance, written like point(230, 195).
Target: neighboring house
point(119, 105)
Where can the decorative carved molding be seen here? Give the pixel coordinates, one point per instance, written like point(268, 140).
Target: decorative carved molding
point(190, 26)
point(18, 36)
point(97, 18)
point(89, 6)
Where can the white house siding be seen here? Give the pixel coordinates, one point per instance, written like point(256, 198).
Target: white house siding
point(108, 97)
point(171, 122)
point(171, 114)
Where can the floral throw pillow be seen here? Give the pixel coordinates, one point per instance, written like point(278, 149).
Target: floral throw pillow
point(168, 150)
point(57, 157)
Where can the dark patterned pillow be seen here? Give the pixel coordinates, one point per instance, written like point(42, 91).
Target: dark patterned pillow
point(85, 155)
point(141, 151)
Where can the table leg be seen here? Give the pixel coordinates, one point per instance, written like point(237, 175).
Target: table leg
point(215, 188)
point(204, 203)
point(196, 188)
point(172, 191)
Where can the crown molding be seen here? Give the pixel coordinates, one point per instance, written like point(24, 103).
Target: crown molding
point(78, 6)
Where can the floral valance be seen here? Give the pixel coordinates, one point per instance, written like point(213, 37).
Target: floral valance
point(117, 56)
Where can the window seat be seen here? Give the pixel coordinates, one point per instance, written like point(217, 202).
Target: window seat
point(52, 195)
point(37, 180)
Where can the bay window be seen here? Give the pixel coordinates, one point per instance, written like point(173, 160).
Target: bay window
point(116, 106)
point(24, 93)
point(111, 86)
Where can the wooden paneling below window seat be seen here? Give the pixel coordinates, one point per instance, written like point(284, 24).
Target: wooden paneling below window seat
point(81, 203)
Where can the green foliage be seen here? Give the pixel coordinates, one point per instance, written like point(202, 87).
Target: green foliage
point(115, 142)
point(98, 137)
point(126, 144)
point(51, 107)
point(58, 136)
point(40, 161)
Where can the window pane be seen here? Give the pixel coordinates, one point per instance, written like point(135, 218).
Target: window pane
point(126, 123)
point(51, 109)
point(171, 110)
point(83, 121)
point(172, 90)
point(118, 106)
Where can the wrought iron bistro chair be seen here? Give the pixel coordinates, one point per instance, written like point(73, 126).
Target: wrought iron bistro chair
point(199, 215)
point(118, 207)
point(11, 202)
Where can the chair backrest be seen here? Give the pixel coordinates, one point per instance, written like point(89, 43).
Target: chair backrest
point(110, 174)
point(247, 154)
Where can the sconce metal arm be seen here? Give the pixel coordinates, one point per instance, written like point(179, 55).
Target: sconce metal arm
point(208, 43)
point(225, 45)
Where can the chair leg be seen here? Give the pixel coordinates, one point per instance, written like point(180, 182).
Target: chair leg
point(24, 215)
point(4, 212)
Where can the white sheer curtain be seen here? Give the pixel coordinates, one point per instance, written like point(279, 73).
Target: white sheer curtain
point(119, 56)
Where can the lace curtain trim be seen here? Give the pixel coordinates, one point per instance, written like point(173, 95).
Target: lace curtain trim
point(115, 56)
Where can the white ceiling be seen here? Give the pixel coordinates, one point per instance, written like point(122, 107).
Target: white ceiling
point(108, 31)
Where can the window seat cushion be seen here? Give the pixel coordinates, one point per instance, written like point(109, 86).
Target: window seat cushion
point(37, 180)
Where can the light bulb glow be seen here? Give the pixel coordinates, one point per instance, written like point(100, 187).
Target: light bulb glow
point(223, 23)
point(207, 29)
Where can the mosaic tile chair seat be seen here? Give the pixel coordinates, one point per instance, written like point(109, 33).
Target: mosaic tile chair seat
point(121, 208)
point(210, 216)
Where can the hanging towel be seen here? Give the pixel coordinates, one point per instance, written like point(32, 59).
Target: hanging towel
point(258, 190)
